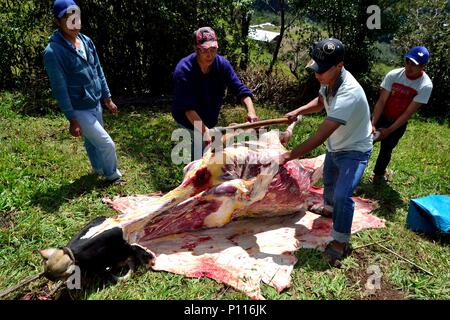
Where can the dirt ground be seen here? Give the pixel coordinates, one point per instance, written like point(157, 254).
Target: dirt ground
point(359, 278)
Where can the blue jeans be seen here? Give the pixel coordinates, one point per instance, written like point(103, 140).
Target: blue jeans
point(100, 148)
point(341, 174)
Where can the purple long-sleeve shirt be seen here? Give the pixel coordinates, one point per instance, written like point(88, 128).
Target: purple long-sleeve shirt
point(204, 93)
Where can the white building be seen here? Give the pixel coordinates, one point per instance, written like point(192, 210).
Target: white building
point(262, 35)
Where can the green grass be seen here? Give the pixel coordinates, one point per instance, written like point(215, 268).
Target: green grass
point(382, 68)
point(47, 194)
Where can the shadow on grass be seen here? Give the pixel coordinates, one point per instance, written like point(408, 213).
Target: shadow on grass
point(442, 239)
point(311, 260)
point(388, 199)
point(90, 285)
point(145, 135)
point(51, 199)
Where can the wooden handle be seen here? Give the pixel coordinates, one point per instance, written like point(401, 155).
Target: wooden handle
point(257, 124)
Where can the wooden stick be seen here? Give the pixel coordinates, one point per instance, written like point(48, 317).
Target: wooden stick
point(403, 258)
point(257, 124)
point(21, 284)
point(58, 285)
point(370, 244)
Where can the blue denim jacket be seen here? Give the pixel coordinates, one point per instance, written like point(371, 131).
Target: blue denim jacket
point(77, 83)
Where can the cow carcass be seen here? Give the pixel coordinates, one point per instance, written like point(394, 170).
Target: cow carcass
point(235, 182)
point(239, 181)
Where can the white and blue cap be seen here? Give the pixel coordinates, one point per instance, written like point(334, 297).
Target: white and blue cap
point(418, 55)
point(60, 7)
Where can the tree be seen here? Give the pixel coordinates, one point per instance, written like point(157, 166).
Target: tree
point(139, 41)
point(281, 9)
point(244, 11)
point(346, 21)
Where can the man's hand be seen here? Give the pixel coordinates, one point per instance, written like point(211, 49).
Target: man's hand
point(284, 157)
point(374, 128)
point(375, 133)
point(384, 133)
point(75, 129)
point(252, 118)
point(292, 116)
point(111, 106)
point(207, 138)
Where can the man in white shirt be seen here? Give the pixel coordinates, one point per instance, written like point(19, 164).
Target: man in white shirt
point(403, 91)
point(348, 132)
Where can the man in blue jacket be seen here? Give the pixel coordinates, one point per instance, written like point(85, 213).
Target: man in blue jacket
point(79, 86)
point(200, 80)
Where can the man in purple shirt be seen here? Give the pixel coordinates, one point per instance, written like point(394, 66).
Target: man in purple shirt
point(200, 80)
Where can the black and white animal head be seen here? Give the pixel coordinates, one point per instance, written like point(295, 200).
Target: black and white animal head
point(98, 254)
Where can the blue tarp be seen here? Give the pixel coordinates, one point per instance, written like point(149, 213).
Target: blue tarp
point(429, 214)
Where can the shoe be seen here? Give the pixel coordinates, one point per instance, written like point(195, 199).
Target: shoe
point(379, 179)
point(322, 210)
point(117, 182)
point(98, 173)
point(336, 251)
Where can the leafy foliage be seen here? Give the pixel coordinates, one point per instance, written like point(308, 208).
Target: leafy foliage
point(21, 50)
point(346, 21)
point(139, 41)
point(24, 28)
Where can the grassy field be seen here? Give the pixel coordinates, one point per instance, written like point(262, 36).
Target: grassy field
point(47, 194)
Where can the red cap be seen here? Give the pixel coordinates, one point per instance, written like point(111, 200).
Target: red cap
point(205, 38)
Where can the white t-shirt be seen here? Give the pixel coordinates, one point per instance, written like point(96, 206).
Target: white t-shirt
point(81, 50)
point(349, 107)
point(404, 90)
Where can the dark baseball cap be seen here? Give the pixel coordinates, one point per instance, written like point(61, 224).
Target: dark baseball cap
point(326, 53)
point(205, 38)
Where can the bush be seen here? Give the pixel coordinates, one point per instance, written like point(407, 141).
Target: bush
point(24, 28)
point(139, 41)
point(23, 34)
point(275, 89)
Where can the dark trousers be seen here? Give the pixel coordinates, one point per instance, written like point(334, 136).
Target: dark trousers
point(387, 145)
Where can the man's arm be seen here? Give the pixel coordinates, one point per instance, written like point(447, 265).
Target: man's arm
point(60, 92)
point(420, 99)
point(58, 83)
point(323, 132)
point(104, 84)
point(313, 106)
point(240, 90)
point(251, 113)
point(412, 108)
point(198, 124)
point(379, 107)
point(106, 94)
